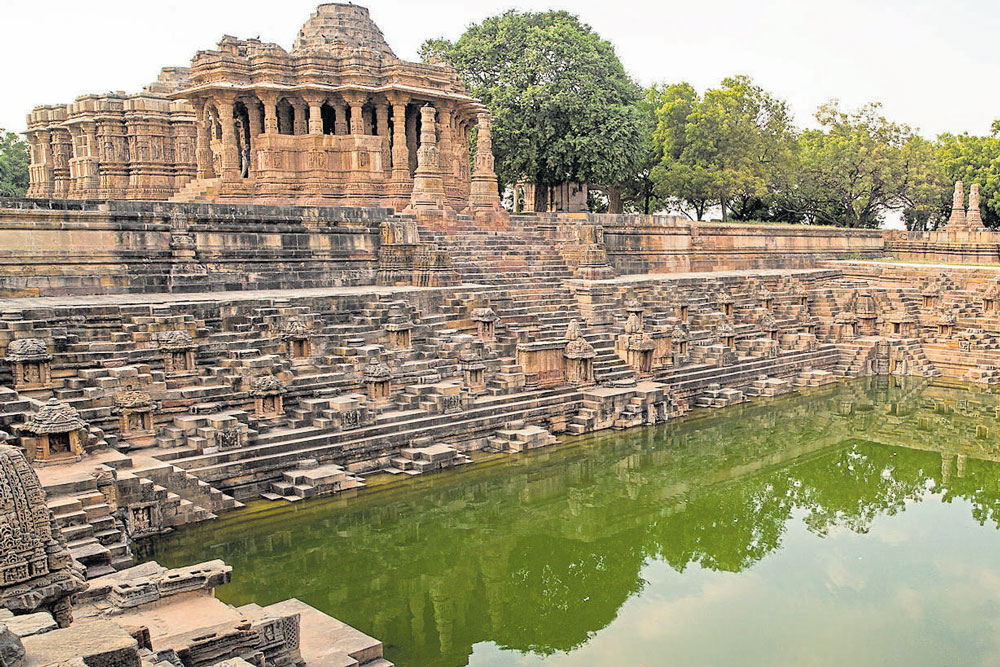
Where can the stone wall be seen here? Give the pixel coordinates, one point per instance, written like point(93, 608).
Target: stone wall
point(53, 247)
point(663, 244)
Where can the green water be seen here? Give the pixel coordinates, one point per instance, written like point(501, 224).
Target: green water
point(854, 525)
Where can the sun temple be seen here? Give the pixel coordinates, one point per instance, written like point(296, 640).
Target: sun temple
point(285, 274)
point(338, 120)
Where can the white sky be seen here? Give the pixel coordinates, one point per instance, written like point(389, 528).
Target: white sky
point(929, 61)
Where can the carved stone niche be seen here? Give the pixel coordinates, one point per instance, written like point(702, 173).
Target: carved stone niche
point(579, 356)
point(767, 299)
point(931, 296)
point(267, 393)
point(486, 323)
point(639, 346)
point(725, 300)
point(31, 363)
point(143, 519)
point(726, 334)
point(946, 325)
point(398, 327)
point(36, 572)
point(135, 414)
point(54, 433)
point(378, 382)
point(991, 299)
point(801, 294)
point(178, 352)
point(296, 335)
point(474, 371)
point(768, 324)
point(680, 345)
point(847, 326)
point(901, 325)
point(634, 307)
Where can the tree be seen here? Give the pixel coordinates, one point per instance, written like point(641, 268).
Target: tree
point(563, 107)
point(640, 194)
point(972, 159)
point(859, 166)
point(729, 148)
point(13, 165)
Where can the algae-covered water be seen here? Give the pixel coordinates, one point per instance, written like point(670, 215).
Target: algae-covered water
point(851, 525)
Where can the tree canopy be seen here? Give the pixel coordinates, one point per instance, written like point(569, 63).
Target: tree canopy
point(13, 165)
point(563, 107)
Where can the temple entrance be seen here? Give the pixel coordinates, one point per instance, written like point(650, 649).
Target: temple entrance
point(329, 115)
point(286, 117)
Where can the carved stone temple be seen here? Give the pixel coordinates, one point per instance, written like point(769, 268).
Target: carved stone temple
point(280, 274)
point(337, 120)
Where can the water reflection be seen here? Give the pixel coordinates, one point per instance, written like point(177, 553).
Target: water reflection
point(538, 553)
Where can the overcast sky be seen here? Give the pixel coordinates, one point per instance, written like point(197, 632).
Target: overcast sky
point(931, 62)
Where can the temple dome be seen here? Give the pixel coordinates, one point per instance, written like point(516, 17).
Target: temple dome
point(342, 30)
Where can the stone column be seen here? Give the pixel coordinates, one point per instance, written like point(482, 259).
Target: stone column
point(299, 122)
point(253, 112)
point(484, 199)
point(340, 122)
point(400, 151)
point(428, 188)
point(230, 151)
point(382, 129)
point(447, 145)
point(203, 148)
point(315, 114)
point(270, 101)
point(411, 142)
point(357, 101)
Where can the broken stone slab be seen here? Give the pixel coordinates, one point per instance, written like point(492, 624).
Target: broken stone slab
point(27, 625)
point(11, 648)
point(98, 643)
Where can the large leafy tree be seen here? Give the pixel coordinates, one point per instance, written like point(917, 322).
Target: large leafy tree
point(13, 165)
point(858, 166)
point(729, 148)
point(972, 159)
point(563, 108)
point(640, 194)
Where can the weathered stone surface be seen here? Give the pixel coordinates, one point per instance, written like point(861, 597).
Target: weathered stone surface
point(97, 643)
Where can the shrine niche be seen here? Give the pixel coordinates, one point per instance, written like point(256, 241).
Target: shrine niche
point(486, 323)
point(267, 392)
point(398, 327)
point(143, 519)
point(135, 415)
point(930, 296)
point(946, 325)
point(726, 334)
point(680, 345)
point(902, 325)
point(846, 324)
point(36, 572)
point(801, 294)
point(724, 299)
point(991, 298)
point(769, 325)
point(31, 363)
point(54, 433)
point(866, 311)
point(178, 352)
point(579, 356)
point(296, 335)
point(633, 307)
point(636, 347)
point(473, 370)
point(766, 299)
point(378, 382)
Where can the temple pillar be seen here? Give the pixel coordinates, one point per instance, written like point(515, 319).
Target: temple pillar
point(428, 187)
point(315, 113)
point(340, 121)
point(382, 129)
point(254, 114)
point(447, 145)
point(484, 198)
point(357, 102)
point(230, 149)
point(299, 125)
point(270, 101)
point(411, 141)
point(400, 151)
point(203, 139)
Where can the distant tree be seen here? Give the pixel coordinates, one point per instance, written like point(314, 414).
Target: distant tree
point(563, 106)
point(13, 165)
point(640, 194)
point(729, 148)
point(858, 167)
point(972, 159)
